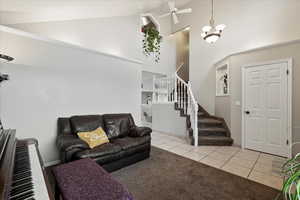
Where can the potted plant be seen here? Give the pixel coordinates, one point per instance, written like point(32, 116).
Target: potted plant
point(151, 41)
point(291, 184)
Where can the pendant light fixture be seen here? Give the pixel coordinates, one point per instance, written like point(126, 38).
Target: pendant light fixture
point(212, 33)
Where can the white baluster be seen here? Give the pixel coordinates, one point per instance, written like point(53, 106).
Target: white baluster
point(196, 126)
point(175, 89)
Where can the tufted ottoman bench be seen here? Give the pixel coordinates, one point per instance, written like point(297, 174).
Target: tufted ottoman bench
point(86, 180)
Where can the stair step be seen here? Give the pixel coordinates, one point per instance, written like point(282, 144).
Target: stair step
point(209, 121)
point(201, 114)
point(215, 140)
point(212, 131)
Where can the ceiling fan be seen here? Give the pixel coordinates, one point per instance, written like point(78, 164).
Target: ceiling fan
point(174, 12)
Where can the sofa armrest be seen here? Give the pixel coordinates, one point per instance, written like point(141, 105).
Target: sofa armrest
point(69, 142)
point(139, 131)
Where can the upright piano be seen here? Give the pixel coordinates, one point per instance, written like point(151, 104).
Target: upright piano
point(22, 173)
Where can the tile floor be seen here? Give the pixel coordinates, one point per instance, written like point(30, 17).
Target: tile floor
point(256, 166)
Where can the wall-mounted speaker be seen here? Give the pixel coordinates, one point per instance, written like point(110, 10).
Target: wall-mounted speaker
point(4, 77)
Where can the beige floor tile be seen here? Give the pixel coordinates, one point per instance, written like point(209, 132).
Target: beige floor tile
point(179, 151)
point(217, 163)
point(242, 162)
point(194, 156)
point(268, 169)
point(212, 162)
point(157, 142)
point(247, 155)
point(186, 147)
point(272, 181)
point(230, 149)
point(270, 159)
point(179, 140)
point(273, 157)
point(236, 169)
point(219, 156)
point(204, 149)
point(168, 145)
point(250, 151)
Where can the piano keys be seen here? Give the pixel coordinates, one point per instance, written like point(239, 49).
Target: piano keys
point(22, 174)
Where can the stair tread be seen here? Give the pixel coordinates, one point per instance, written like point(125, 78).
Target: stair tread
point(212, 129)
point(214, 137)
point(209, 121)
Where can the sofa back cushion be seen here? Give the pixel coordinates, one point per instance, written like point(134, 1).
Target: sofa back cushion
point(64, 126)
point(86, 123)
point(117, 125)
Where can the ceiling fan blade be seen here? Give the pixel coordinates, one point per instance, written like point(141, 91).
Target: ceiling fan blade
point(184, 11)
point(165, 15)
point(175, 18)
point(172, 6)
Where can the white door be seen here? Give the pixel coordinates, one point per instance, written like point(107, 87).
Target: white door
point(266, 106)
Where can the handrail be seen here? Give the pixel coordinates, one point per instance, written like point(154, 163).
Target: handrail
point(192, 94)
point(181, 93)
point(177, 70)
point(187, 101)
point(180, 79)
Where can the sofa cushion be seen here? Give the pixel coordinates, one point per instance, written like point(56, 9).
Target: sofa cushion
point(132, 146)
point(94, 138)
point(64, 126)
point(102, 150)
point(117, 125)
point(86, 123)
point(129, 142)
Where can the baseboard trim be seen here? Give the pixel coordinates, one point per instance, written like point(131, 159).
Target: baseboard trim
point(51, 163)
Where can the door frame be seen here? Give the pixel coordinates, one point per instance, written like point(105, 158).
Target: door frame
point(289, 62)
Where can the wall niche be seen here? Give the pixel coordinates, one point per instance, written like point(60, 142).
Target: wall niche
point(222, 80)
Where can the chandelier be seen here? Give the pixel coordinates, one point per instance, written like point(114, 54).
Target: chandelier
point(212, 33)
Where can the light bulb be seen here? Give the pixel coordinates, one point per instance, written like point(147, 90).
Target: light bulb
point(206, 28)
point(220, 27)
point(212, 38)
point(203, 35)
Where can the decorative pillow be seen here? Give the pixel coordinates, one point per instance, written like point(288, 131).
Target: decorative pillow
point(94, 138)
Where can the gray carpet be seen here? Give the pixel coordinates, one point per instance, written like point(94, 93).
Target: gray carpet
point(167, 176)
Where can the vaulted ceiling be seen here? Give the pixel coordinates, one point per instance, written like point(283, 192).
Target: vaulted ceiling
point(21, 11)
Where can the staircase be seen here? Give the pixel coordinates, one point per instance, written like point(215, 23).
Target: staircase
point(202, 128)
point(212, 130)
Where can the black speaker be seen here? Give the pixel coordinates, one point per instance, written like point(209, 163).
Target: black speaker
point(4, 77)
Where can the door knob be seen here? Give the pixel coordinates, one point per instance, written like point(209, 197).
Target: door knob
point(247, 112)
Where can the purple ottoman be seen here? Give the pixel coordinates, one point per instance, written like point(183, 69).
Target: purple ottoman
point(85, 180)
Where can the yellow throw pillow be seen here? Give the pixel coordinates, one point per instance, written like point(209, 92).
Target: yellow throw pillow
point(94, 138)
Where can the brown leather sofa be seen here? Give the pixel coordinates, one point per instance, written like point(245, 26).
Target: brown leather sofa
point(128, 143)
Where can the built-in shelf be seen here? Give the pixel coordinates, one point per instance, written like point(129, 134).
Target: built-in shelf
point(151, 93)
point(148, 91)
point(161, 91)
point(222, 80)
point(147, 105)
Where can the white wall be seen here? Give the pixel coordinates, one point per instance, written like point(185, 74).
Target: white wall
point(250, 24)
point(168, 120)
point(119, 36)
point(234, 112)
point(48, 81)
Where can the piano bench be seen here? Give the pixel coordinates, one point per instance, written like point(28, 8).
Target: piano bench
point(85, 180)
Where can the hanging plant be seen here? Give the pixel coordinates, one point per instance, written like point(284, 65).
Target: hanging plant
point(151, 42)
